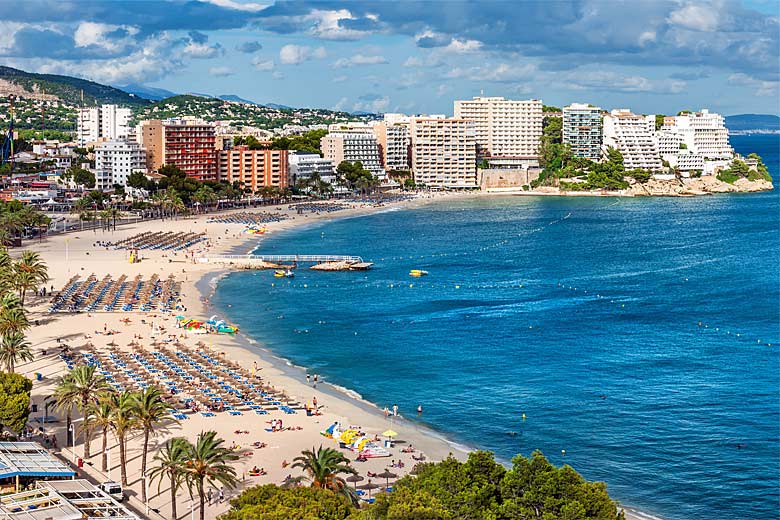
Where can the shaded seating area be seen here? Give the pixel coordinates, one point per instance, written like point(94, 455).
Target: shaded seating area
point(158, 240)
point(109, 294)
point(248, 218)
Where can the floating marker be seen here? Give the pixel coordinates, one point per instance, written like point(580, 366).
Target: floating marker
point(563, 452)
point(524, 417)
point(457, 286)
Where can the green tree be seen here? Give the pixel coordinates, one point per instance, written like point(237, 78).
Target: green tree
point(14, 348)
point(124, 421)
point(150, 412)
point(81, 388)
point(14, 401)
point(101, 415)
point(271, 502)
point(30, 273)
point(324, 468)
point(171, 461)
point(137, 180)
point(208, 463)
point(553, 129)
point(659, 121)
point(81, 176)
point(12, 316)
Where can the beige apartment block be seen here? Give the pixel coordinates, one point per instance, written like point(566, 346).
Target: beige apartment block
point(444, 152)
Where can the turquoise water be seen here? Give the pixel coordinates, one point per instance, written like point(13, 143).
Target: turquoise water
point(637, 342)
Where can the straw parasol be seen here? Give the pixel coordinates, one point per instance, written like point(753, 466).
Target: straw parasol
point(368, 487)
point(354, 479)
point(387, 475)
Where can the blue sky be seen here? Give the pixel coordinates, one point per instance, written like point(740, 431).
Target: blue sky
point(657, 56)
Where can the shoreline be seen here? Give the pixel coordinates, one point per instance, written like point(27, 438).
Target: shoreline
point(208, 285)
point(200, 281)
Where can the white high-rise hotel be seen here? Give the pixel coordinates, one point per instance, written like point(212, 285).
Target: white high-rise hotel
point(444, 152)
point(116, 160)
point(582, 130)
point(634, 136)
point(504, 127)
point(106, 122)
point(702, 132)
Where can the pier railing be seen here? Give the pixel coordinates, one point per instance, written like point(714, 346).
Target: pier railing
point(280, 259)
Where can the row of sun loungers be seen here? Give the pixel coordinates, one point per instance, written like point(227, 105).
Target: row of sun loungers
point(320, 207)
point(191, 379)
point(249, 219)
point(108, 294)
point(163, 241)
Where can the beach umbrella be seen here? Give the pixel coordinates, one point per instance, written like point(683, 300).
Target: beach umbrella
point(389, 433)
point(354, 479)
point(368, 487)
point(387, 475)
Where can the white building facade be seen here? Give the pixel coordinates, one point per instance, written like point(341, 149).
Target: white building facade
point(354, 145)
point(582, 130)
point(504, 127)
point(634, 136)
point(444, 152)
point(702, 132)
point(115, 161)
point(303, 165)
point(105, 122)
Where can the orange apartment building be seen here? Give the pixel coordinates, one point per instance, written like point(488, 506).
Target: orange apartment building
point(187, 143)
point(253, 169)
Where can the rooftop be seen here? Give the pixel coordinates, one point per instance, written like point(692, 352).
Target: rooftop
point(30, 459)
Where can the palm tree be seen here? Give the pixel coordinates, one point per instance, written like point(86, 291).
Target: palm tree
point(150, 411)
point(31, 264)
point(82, 387)
point(171, 460)
point(12, 315)
point(208, 462)
point(124, 421)
point(13, 348)
point(101, 416)
point(324, 467)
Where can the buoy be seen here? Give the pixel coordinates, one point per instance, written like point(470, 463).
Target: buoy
point(524, 417)
point(411, 285)
point(563, 452)
point(273, 284)
point(457, 286)
point(305, 286)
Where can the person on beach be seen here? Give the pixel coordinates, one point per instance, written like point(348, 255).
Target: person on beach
point(308, 379)
point(395, 410)
point(316, 377)
point(314, 403)
point(387, 412)
point(419, 409)
point(221, 495)
point(210, 495)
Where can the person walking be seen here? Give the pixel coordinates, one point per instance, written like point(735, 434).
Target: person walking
point(221, 495)
point(395, 410)
point(210, 495)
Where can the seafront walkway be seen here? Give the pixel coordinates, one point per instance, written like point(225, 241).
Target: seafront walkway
point(278, 259)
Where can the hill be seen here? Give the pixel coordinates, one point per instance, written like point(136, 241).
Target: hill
point(753, 123)
point(241, 113)
point(48, 87)
point(151, 93)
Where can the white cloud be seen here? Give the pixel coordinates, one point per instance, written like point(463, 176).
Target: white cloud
point(91, 33)
point(202, 50)
point(239, 6)
point(611, 81)
point(326, 25)
point(463, 46)
point(374, 105)
point(442, 89)
point(339, 79)
point(341, 104)
point(762, 87)
point(294, 54)
point(413, 61)
point(221, 72)
point(262, 64)
point(359, 59)
point(8, 30)
point(500, 72)
point(695, 17)
point(646, 37)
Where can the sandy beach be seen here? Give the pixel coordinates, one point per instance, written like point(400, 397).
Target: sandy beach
point(78, 254)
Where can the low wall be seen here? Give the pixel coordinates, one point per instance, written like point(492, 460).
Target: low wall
point(507, 178)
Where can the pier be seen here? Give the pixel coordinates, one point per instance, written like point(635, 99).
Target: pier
point(320, 262)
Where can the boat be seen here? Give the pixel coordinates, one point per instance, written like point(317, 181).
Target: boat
point(418, 273)
point(287, 273)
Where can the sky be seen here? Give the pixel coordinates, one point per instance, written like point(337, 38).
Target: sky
point(652, 56)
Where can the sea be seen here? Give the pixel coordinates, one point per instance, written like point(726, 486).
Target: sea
point(637, 340)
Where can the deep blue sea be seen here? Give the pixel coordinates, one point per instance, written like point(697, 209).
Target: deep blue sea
point(632, 333)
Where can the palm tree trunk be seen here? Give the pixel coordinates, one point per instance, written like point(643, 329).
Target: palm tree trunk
point(11, 365)
point(122, 460)
point(143, 462)
point(87, 442)
point(173, 502)
point(68, 434)
point(104, 460)
point(202, 505)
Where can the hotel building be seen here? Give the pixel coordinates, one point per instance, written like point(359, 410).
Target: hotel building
point(187, 143)
point(353, 145)
point(394, 142)
point(115, 161)
point(444, 152)
point(504, 127)
point(303, 165)
point(634, 136)
point(106, 122)
point(582, 129)
point(253, 169)
point(702, 132)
